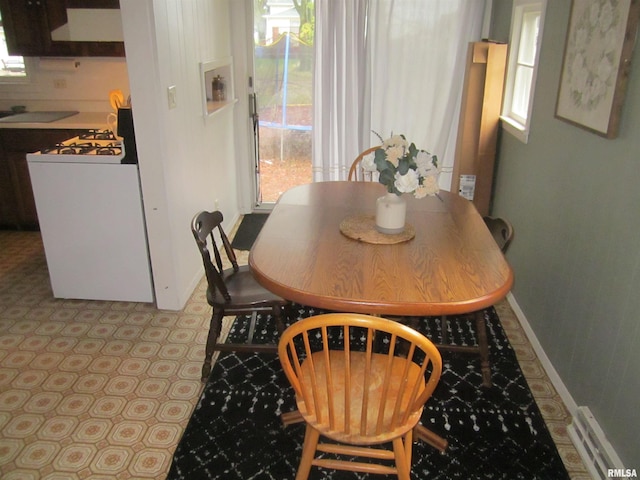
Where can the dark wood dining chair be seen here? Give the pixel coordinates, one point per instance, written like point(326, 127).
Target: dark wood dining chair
point(501, 229)
point(357, 173)
point(231, 291)
point(360, 382)
point(502, 232)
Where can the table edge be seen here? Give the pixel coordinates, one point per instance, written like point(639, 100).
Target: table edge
point(390, 308)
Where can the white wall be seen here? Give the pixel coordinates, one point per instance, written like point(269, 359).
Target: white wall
point(186, 163)
point(87, 86)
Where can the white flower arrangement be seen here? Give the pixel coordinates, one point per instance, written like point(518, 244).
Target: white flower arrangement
point(403, 168)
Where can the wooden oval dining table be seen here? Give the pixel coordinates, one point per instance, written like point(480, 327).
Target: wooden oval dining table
point(450, 264)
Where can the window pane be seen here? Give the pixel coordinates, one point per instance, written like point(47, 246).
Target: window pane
point(528, 38)
point(521, 91)
point(10, 65)
point(527, 24)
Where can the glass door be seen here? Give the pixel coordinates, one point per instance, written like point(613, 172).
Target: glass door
point(282, 98)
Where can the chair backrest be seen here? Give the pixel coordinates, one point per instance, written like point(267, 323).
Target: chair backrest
point(501, 230)
point(356, 172)
point(203, 227)
point(359, 375)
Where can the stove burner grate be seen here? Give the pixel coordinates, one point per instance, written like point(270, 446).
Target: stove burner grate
point(97, 135)
point(108, 150)
point(85, 148)
point(74, 148)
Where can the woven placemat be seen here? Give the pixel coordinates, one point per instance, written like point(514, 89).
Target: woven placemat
point(363, 228)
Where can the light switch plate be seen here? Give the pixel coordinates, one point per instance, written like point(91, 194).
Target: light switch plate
point(171, 96)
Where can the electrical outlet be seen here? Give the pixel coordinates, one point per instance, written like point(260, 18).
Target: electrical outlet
point(217, 205)
point(60, 83)
point(171, 96)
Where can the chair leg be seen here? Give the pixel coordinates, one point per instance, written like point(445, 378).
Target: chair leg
point(214, 332)
point(483, 345)
point(311, 436)
point(444, 333)
point(289, 418)
point(408, 447)
point(277, 316)
point(402, 465)
point(436, 441)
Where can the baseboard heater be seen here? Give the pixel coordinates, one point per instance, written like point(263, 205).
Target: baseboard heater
point(597, 453)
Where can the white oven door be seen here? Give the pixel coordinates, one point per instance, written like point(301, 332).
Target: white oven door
point(93, 229)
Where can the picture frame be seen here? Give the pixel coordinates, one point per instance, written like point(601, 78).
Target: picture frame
point(597, 63)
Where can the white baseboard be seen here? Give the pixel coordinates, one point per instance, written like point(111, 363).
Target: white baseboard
point(542, 356)
point(584, 431)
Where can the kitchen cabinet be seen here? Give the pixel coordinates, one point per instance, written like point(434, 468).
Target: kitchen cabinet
point(29, 27)
point(17, 206)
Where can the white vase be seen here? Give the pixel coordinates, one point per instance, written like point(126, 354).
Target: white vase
point(391, 210)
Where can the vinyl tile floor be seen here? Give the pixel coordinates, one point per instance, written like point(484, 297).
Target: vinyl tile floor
point(103, 390)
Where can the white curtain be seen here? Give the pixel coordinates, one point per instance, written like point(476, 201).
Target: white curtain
point(411, 83)
point(339, 79)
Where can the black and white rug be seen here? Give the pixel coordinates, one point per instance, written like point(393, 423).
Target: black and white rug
point(235, 432)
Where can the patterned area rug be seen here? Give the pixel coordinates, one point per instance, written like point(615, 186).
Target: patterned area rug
point(498, 433)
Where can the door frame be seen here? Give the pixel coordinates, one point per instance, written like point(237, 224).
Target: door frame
point(241, 19)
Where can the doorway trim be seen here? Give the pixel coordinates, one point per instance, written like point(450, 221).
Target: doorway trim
point(241, 13)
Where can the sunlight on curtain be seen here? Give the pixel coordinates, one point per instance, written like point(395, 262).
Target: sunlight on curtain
point(403, 75)
point(339, 79)
point(417, 52)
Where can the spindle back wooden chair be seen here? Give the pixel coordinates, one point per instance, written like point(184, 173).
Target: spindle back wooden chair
point(231, 291)
point(357, 173)
point(361, 381)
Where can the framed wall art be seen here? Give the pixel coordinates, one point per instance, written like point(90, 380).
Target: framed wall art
point(597, 63)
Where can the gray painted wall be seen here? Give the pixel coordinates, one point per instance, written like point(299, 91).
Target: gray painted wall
point(574, 200)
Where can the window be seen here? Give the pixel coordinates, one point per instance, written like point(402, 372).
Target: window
point(12, 67)
point(524, 48)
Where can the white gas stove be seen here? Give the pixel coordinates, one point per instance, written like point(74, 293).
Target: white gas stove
point(89, 203)
point(94, 146)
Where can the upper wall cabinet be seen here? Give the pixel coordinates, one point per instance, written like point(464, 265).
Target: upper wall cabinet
point(73, 28)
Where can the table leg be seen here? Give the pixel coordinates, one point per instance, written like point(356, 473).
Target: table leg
point(482, 348)
point(483, 345)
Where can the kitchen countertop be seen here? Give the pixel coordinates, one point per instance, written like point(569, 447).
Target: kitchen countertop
point(82, 120)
